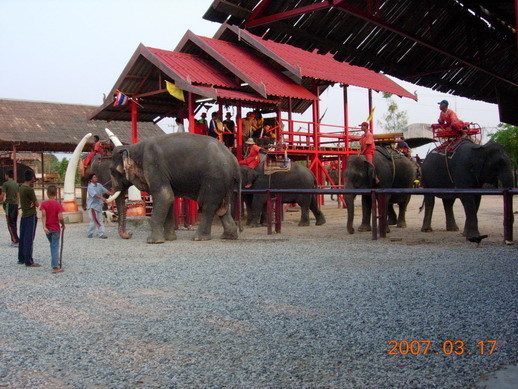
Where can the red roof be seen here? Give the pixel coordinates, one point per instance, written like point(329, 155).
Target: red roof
point(246, 63)
point(193, 68)
point(227, 94)
point(325, 67)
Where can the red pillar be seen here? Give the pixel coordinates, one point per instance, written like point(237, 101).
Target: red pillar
point(239, 141)
point(371, 124)
point(134, 128)
point(190, 111)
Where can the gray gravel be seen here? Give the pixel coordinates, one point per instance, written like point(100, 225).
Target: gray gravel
point(287, 310)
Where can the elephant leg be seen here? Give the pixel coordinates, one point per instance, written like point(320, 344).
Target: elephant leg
point(162, 203)
point(169, 232)
point(391, 215)
point(319, 216)
point(451, 224)
point(470, 204)
point(429, 202)
point(401, 220)
point(208, 210)
point(304, 212)
point(366, 214)
point(229, 226)
point(258, 203)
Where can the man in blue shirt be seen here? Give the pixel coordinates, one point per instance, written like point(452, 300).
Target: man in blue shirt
point(94, 204)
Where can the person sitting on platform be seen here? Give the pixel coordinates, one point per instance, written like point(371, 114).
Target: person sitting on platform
point(253, 158)
point(403, 147)
point(97, 149)
point(449, 118)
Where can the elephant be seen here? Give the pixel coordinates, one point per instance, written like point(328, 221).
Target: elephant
point(393, 171)
point(298, 177)
point(333, 174)
point(101, 167)
point(177, 165)
point(469, 165)
point(20, 171)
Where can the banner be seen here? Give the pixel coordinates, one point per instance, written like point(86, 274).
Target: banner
point(174, 91)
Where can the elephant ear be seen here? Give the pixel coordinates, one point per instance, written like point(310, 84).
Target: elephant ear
point(127, 163)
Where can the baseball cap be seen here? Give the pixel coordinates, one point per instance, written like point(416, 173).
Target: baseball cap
point(445, 102)
point(364, 124)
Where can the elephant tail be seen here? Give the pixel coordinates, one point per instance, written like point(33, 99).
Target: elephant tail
point(422, 206)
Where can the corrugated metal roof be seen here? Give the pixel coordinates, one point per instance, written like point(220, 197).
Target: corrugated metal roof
point(464, 47)
point(325, 67)
point(227, 94)
point(246, 63)
point(193, 68)
point(42, 126)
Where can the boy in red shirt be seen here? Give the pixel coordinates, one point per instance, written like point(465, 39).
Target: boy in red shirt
point(52, 220)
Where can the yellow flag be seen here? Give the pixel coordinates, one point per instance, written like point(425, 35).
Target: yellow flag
point(174, 91)
point(371, 115)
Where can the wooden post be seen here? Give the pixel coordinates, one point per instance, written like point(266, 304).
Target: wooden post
point(374, 216)
point(239, 140)
point(42, 177)
point(15, 169)
point(508, 216)
point(278, 213)
point(269, 212)
point(382, 205)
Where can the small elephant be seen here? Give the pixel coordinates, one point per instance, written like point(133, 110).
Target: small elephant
point(469, 166)
point(393, 170)
point(186, 165)
point(298, 177)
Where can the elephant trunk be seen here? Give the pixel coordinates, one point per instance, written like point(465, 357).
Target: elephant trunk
point(349, 201)
point(121, 207)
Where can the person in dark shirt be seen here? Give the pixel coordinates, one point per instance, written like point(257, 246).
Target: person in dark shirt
point(29, 204)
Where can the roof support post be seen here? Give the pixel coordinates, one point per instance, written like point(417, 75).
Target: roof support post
point(190, 111)
point(15, 170)
point(134, 128)
point(316, 139)
point(42, 176)
point(239, 140)
point(371, 124)
point(290, 124)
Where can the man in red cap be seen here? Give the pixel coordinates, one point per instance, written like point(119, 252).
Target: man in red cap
point(367, 146)
point(449, 118)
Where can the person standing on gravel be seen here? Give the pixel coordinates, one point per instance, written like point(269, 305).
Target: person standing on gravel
point(9, 198)
point(94, 204)
point(28, 221)
point(52, 220)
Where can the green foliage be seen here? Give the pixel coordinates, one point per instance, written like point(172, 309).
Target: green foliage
point(60, 167)
point(507, 136)
point(394, 120)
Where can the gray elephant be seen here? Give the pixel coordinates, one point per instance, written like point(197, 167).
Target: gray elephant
point(467, 166)
point(298, 177)
point(393, 171)
point(20, 170)
point(178, 165)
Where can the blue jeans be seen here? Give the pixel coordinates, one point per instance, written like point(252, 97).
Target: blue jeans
point(27, 233)
point(53, 237)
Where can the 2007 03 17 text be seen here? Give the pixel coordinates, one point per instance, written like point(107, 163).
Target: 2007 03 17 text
point(446, 347)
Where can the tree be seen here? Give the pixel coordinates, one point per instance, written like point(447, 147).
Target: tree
point(394, 120)
point(507, 136)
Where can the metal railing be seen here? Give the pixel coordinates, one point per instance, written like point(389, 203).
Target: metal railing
point(379, 203)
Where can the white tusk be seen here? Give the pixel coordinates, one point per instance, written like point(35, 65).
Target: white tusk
point(113, 137)
point(70, 175)
point(113, 197)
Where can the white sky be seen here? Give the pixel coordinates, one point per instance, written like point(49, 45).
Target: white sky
point(73, 51)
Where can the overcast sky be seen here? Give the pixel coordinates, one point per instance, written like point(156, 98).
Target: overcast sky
point(73, 51)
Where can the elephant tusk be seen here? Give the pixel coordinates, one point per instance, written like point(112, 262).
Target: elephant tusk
point(113, 137)
point(69, 189)
point(113, 197)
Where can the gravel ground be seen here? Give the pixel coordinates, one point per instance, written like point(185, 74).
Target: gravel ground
point(311, 307)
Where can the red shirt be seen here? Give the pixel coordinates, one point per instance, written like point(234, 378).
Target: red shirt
point(52, 209)
point(448, 117)
point(367, 145)
point(253, 158)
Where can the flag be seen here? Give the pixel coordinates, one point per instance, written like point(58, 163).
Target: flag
point(174, 91)
point(371, 115)
point(120, 99)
